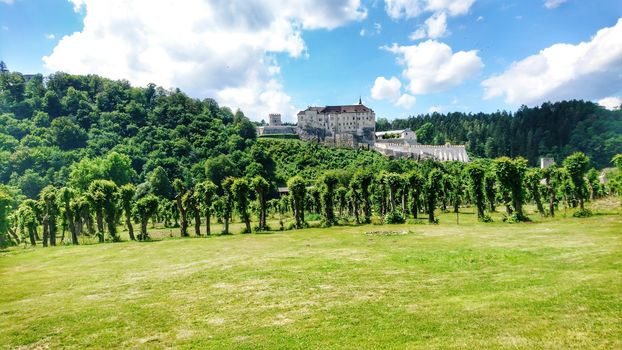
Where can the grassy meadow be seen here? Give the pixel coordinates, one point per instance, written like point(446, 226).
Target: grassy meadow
point(552, 283)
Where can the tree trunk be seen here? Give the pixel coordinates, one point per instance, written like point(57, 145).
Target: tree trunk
point(31, 234)
point(182, 217)
point(128, 223)
point(46, 232)
point(144, 220)
point(99, 216)
point(415, 206)
point(226, 224)
point(52, 231)
point(208, 229)
point(430, 213)
point(262, 212)
point(72, 225)
point(197, 222)
point(355, 209)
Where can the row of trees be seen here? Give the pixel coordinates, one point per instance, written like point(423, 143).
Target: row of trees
point(335, 197)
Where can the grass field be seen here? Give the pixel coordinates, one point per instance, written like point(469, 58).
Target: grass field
point(552, 283)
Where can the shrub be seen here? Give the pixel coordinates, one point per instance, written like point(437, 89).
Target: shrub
point(486, 218)
point(395, 217)
point(584, 213)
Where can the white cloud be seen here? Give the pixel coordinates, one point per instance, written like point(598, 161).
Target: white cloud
point(386, 89)
point(390, 90)
point(551, 4)
point(612, 103)
point(49, 36)
point(397, 9)
point(434, 26)
point(208, 48)
point(406, 101)
point(588, 70)
point(431, 66)
point(375, 30)
point(480, 18)
point(437, 25)
point(435, 109)
point(8, 2)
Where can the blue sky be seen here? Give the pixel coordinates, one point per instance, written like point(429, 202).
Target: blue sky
point(403, 57)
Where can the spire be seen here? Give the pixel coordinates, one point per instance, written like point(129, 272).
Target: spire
point(360, 102)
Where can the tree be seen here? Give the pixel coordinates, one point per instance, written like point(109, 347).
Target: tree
point(67, 134)
point(393, 182)
point(66, 195)
point(425, 134)
point(476, 176)
point(3, 67)
point(341, 193)
point(432, 188)
point(126, 193)
point(160, 184)
point(146, 207)
point(329, 181)
point(104, 194)
point(551, 176)
point(489, 189)
point(191, 204)
point(205, 192)
point(261, 187)
point(416, 184)
point(298, 191)
point(6, 203)
point(28, 219)
point(180, 191)
point(577, 164)
point(510, 174)
point(50, 213)
point(118, 168)
point(532, 182)
point(241, 191)
point(363, 180)
point(226, 202)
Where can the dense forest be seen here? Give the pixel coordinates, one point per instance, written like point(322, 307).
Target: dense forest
point(551, 130)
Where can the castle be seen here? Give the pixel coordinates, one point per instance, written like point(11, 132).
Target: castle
point(354, 126)
point(348, 125)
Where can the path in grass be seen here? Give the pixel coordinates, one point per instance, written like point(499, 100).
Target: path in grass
point(550, 284)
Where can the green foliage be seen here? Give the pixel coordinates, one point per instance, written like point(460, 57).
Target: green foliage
point(160, 184)
point(425, 134)
point(394, 217)
point(582, 213)
point(577, 165)
point(550, 130)
point(476, 175)
point(510, 174)
point(6, 205)
point(298, 191)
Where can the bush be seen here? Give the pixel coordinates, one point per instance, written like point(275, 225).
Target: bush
point(313, 217)
point(514, 218)
point(486, 218)
point(394, 217)
point(585, 213)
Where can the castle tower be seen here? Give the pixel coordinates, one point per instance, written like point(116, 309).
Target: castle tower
point(274, 119)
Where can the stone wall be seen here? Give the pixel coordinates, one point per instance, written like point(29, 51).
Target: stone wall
point(442, 152)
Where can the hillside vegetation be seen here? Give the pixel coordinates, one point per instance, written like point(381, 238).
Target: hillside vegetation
point(550, 130)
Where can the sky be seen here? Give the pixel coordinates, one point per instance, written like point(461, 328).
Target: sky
point(401, 57)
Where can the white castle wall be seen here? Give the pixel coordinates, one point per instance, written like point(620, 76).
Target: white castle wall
point(441, 152)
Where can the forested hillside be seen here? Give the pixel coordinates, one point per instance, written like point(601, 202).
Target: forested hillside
point(551, 130)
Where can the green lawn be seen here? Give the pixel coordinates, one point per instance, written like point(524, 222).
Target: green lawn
point(547, 284)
